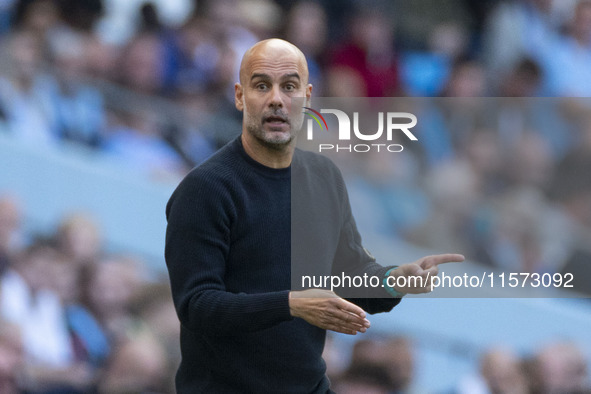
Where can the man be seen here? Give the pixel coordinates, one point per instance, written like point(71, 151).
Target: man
point(228, 247)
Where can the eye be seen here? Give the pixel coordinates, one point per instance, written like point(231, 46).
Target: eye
point(261, 86)
point(290, 87)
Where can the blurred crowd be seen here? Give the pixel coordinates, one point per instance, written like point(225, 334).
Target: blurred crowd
point(509, 190)
point(161, 100)
point(162, 97)
point(509, 187)
point(386, 365)
point(75, 319)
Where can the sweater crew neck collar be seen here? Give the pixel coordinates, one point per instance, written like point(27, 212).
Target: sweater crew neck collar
point(261, 168)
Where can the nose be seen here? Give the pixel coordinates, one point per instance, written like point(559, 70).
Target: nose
point(276, 100)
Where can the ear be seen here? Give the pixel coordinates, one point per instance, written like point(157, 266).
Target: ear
point(238, 97)
point(308, 94)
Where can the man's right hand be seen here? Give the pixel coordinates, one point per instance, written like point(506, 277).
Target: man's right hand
point(325, 309)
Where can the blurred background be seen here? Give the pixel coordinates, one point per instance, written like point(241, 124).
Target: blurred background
point(106, 104)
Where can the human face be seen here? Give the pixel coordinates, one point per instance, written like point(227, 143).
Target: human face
point(270, 78)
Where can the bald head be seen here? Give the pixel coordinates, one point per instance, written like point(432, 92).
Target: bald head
point(273, 51)
point(272, 73)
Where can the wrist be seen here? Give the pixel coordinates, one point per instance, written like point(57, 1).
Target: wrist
point(390, 281)
point(292, 304)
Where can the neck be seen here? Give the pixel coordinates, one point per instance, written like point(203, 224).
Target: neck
point(269, 157)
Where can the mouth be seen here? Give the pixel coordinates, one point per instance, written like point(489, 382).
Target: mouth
point(276, 119)
point(276, 123)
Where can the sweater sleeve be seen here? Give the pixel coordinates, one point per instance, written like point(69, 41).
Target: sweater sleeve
point(199, 216)
point(353, 259)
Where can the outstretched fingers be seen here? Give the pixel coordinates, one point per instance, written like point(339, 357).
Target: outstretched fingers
point(349, 316)
point(326, 310)
point(437, 259)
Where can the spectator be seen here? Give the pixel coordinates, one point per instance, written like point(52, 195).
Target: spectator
point(501, 372)
point(516, 114)
point(388, 183)
point(447, 123)
point(466, 79)
point(367, 59)
point(417, 20)
point(364, 379)
point(139, 143)
point(154, 308)
point(11, 359)
point(559, 368)
point(79, 238)
point(89, 341)
point(40, 17)
point(142, 66)
point(529, 161)
point(392, 355)
point(30, 301)
point(424, 72)
point(523, 80)
point(101, 59)
point(108, 289)
point(234, 33)
point(206, 65)
point(207, 128)
point(565, 59)
point(514, 243)
point(25, 94)
point(78, 107)
point(514, 30)
point(483, 150)
point(137, 366)
point(455, 190)
point(261, 17)
point(307, 29)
